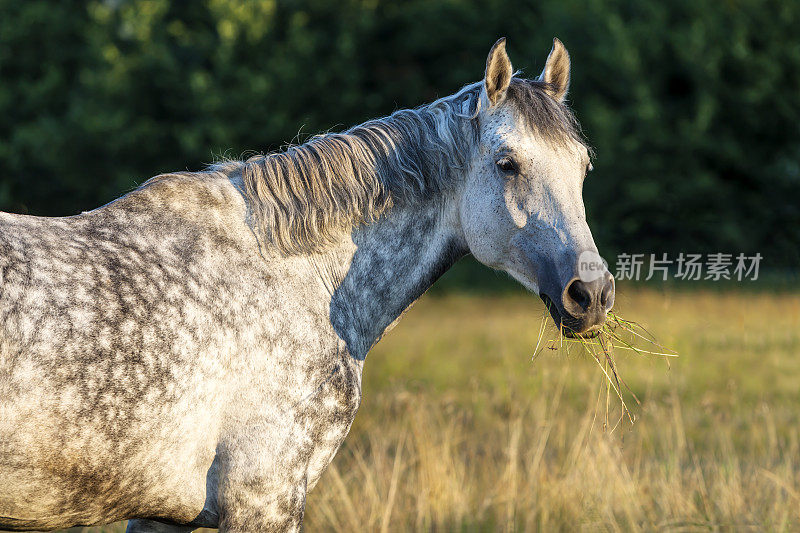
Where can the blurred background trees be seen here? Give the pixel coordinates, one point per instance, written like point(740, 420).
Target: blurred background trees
point(693, 106)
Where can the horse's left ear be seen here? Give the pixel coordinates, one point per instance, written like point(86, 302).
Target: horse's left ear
point(498, 72)
point(556, 71)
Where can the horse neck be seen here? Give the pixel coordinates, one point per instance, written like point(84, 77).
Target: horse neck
point(387, 266)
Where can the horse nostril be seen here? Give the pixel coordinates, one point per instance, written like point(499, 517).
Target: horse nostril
point(579, 294)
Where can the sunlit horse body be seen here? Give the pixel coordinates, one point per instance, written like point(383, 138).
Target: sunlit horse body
point(191, 354)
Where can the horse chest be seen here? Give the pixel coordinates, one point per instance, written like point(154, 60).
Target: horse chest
point(328, 416)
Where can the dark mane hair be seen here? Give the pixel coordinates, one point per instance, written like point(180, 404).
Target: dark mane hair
point(551, 119)
point(301, 198)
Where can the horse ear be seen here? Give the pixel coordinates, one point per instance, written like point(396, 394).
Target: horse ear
point(556, 71)
point(498, 72)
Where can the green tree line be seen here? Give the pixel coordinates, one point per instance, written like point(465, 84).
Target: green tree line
point(693, 106)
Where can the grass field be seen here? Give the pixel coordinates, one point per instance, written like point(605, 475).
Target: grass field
point(460, 430)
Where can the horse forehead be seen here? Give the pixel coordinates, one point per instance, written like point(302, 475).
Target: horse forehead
point(504, 130)
point(499, 124)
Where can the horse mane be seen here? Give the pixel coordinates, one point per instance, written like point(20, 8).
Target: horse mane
point(303, 197)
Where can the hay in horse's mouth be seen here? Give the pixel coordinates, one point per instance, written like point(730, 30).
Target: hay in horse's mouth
point(600, 343)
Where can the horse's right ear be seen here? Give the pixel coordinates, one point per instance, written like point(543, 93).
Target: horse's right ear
point(498, 72)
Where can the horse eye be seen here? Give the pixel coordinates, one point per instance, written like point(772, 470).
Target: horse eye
point(506, 165)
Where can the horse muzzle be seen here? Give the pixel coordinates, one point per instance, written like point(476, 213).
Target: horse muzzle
point(582, 307)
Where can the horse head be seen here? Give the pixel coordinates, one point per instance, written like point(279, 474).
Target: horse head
point(521, 206)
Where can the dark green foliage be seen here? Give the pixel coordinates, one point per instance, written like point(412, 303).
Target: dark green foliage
point(693, 106)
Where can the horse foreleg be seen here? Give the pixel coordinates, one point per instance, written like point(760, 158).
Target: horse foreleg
point(260, 490)
point(255, 507)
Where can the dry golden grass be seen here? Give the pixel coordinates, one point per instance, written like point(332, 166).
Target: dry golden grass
point(459, 430)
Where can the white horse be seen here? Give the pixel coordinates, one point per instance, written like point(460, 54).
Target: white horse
point(191, 354)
